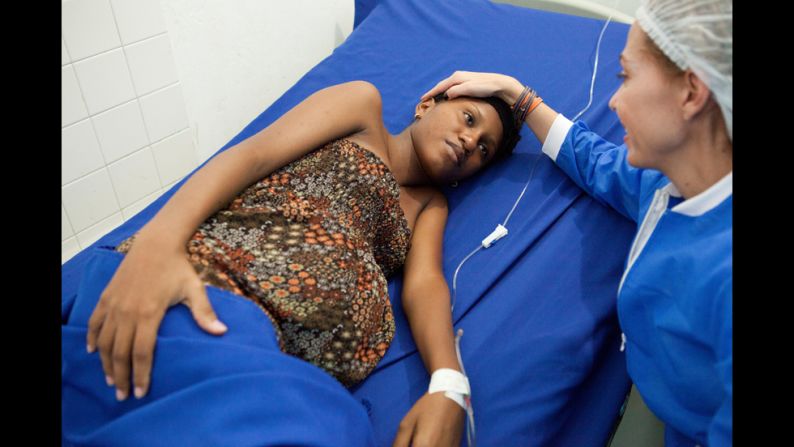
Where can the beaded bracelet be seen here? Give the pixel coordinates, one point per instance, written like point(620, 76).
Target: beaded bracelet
point(536, 103)
point(526, 103)
point(521, 112)
point(519, 103)
point(520, 97)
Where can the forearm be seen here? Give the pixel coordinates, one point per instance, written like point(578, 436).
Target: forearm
point(208, 190)
point(427, 308)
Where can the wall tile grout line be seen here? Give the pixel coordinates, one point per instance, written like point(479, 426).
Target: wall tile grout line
point(114, 48)
point(91, 115)
point(138, 96)
point(126, 156)
point(104, 163)
point(69, 221)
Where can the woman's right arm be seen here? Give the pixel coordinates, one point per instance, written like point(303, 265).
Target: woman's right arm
point(328, 114)
point(155, 274)
point(596, 165)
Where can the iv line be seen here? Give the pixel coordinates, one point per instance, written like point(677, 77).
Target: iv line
point(595, 68)
point(484, 243)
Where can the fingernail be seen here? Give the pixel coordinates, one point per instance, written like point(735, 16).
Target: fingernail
point(90, 349)
point(138, 392)
point(217, 326)
point(109, 380)
point(120, 395)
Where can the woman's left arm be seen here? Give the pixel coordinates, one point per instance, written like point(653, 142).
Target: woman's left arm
point(434, 420)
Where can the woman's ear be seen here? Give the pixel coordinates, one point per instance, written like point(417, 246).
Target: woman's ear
point(698, 94)
point(424, 107)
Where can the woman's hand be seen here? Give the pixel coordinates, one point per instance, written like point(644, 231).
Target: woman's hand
point(152, 277)
point(434, 420)
point(469, 83)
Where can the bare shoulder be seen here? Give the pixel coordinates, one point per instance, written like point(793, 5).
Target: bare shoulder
point(326, 115)
point(370, 110)
point(366, 97)
point(366, 89)
point(356, 104)
point(357, 89)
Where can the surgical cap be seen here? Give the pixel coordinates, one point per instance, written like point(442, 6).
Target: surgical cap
point(696, 35)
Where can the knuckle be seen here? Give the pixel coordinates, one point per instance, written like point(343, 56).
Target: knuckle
point(147, 312)
point(119, 358)
point(93, 326)
point(103, 344)
point(140, 356)
point(95, 320)
point(208, 315)
point(126, 312)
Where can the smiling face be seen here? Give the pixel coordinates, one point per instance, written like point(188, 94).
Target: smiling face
point(454, 139)
point(648, 103)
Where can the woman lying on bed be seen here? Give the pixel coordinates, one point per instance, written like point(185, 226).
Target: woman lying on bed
point(308, 218)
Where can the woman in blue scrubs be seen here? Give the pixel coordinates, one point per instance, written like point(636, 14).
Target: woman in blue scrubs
point(673, 176)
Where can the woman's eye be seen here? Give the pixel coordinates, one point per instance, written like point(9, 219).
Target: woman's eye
point(622, 75)
point(484, 150)
point(469, 118)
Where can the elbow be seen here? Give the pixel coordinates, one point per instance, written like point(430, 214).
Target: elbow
point(246, 158)
point(426, 287)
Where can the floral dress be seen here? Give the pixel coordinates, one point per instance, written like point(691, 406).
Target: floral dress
point(312, 244)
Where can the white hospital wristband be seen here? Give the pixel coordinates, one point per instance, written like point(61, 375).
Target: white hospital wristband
point(454, 384)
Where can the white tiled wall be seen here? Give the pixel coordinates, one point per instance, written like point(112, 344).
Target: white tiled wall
point(125, 136)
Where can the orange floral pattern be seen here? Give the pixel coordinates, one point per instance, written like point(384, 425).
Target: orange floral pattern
point(312, 244)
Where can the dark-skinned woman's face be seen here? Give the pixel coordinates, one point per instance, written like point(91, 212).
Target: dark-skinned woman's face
point(454, 139)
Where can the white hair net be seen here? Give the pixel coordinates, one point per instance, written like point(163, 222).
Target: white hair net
point(696, 35)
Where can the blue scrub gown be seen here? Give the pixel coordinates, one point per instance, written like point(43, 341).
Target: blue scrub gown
point(675, 302)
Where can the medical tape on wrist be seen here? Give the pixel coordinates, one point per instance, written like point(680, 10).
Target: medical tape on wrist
point(457, 397)
point(454, 384)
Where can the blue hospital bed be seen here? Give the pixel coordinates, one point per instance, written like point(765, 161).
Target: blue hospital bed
point(541, 337)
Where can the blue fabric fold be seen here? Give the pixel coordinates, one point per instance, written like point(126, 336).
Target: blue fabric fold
point(236, 389)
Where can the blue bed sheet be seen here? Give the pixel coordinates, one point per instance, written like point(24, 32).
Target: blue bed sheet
point(541, 343)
